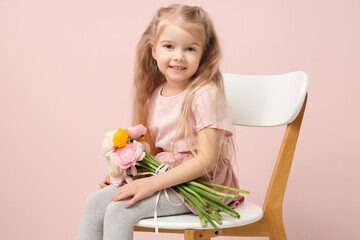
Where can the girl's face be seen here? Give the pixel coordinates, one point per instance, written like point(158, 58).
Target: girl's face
point(178, 54)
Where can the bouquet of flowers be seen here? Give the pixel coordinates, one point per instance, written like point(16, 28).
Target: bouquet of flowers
point(128, 154)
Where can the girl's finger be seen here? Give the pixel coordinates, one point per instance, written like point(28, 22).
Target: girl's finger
point(107, 179)
point(121, 195)
point(101, 184)
point(131, 202)
point(104, 183)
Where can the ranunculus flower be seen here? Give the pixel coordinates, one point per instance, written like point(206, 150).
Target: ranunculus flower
point(136, 131)
point(120, 138)
point(128, 156)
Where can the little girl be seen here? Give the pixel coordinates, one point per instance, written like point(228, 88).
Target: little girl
point(179, 97)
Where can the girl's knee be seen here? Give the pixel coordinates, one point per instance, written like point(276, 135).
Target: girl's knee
point(116, 211)
point(93, 200)
point(116, 208)
point(99, 199)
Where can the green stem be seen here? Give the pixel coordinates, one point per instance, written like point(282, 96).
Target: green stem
point(205, 193)
point(198, 206)
point(190, 199)
point(212, 216)
point(152, 157)
point(195, 194)
point(149, 163)
point(224, 208)
point(202, 219)
point(142, 169)
point(214, 212)
point(223, 187)
point(199, 185)
point(146, 166)
point(150, 160)
point(208, 217)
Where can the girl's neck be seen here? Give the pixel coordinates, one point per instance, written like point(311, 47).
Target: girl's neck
point(169, 90)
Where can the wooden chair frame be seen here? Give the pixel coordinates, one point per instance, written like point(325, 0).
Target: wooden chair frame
point(271, 225)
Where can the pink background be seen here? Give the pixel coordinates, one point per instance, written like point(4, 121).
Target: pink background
point(66, 69)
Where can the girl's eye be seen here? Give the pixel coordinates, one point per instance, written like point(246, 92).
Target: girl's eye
point(190, 49)
point(168, 46)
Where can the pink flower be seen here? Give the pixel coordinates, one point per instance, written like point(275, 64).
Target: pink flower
point(136, 131)
point(128, 155)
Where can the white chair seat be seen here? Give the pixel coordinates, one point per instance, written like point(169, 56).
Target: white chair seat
point(249, 213)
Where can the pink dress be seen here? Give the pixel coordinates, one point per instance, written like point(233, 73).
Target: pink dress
point(208, 110)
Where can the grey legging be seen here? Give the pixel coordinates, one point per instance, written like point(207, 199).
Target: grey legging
point(106, 220)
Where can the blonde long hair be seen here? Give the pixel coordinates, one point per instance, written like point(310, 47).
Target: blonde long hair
point(148, 77)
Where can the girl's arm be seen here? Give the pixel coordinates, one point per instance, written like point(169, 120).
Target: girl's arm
point(208, 141)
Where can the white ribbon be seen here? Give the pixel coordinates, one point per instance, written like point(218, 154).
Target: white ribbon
point(162, 168)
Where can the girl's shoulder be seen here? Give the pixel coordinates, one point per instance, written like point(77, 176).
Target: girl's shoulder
point(208, 87)
point(210, 109)
point(208, 96)
point(208, 91)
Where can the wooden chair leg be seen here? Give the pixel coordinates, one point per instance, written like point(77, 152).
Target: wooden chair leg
point(205, 234)
point(276, 226)
point(189, 235)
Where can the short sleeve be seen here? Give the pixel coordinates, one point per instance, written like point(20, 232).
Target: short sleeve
point(210, 110)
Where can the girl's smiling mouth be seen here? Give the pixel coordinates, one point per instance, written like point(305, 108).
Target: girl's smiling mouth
point(177, 67)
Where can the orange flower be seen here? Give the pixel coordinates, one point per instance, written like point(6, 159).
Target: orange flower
point(120, 138)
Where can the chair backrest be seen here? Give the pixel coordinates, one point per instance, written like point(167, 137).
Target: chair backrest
point(271, 100)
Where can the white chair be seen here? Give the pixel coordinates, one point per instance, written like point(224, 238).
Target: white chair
point(259, 101)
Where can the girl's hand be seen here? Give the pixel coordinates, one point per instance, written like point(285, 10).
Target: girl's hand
point(137, 189)
point(105, 182)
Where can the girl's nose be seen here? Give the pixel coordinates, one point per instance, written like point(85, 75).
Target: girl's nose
point(179, 55)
